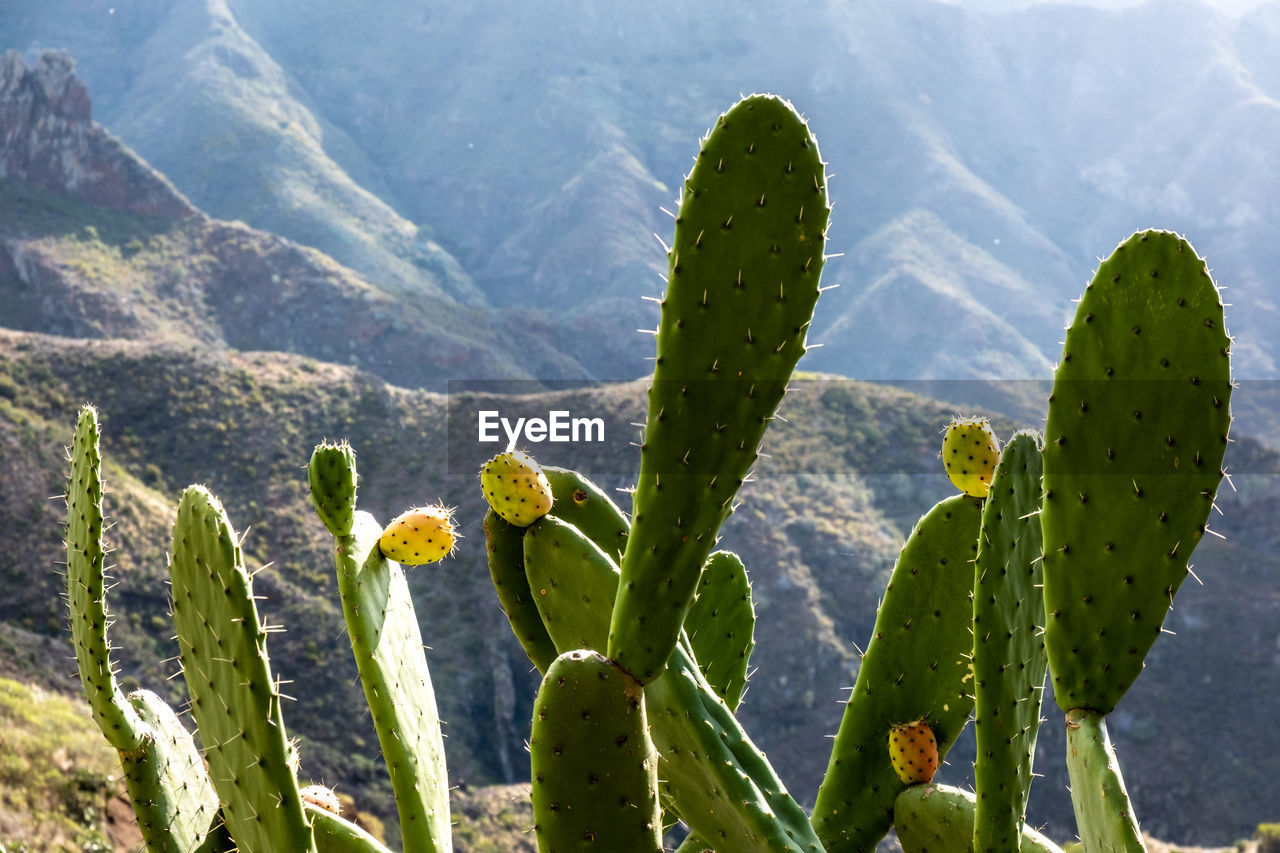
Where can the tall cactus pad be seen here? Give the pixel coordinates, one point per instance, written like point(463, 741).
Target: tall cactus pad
point(595, 772)
point(721, 626)
point(1104, 815)
point(743, 280)
point(1008, 645)
point(504, 545)
point(173, 799)
point(916, 666)
point(388, 648)
point(1135, 436)
point(86, 589)
point(234, 699)
point(331, 474)
point(940, 819)
point(580, 502)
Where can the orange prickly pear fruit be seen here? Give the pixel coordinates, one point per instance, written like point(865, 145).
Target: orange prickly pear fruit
point(424, 534)
point(913, 751)
point(516, 488)
point(970, 454)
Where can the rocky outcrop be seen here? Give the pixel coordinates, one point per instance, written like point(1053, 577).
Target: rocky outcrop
point(48, 139)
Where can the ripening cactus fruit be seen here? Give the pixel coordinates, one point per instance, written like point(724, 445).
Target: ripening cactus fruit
point(516, 488)
point(421, 535)
point(322, 797)
point(913, 751)
point(970, 453)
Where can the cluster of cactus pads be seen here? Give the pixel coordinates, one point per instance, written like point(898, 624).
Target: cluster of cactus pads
point(1061, 555)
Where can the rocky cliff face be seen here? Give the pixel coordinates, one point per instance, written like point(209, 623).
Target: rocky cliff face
point(48, 139)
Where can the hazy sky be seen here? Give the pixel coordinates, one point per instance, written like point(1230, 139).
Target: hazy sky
point(1234, 6)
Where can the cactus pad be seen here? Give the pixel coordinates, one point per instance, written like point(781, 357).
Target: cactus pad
point(917, 665)
point(331, 474)
point(1134, 442)
point(234, 698)
point(504, 546)
point(939, 819)
point(742, 283)
point(595, 772)
point(721, 626)
point(1008, 645)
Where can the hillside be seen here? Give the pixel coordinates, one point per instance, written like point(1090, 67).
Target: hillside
point(818, 545)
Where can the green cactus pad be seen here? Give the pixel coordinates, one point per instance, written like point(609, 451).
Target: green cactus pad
point(86, 594)
point(580, 502)
point(388, 648)
point(724, 786)
point(572, 582)
point(743, 280)
point(335, 834)
point(504, 545)
point(234, 698)
point(940, 819)
point(1104, 815)
point(721, 626)
point(331, 474)
point(1134, 441)
point(595, 772)
point(916, 666)
point(173, 799)
point(1008, 650)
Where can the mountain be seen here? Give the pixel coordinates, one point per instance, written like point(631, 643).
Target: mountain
point(95, 243)
point(520, 152)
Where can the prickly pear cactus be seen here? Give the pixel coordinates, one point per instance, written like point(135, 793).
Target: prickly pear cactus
point(172, 797)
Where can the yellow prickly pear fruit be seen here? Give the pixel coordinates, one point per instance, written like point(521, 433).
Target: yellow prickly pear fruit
point(424, 534)
point(970, 454)
point(913, 751)
point(516, 488)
